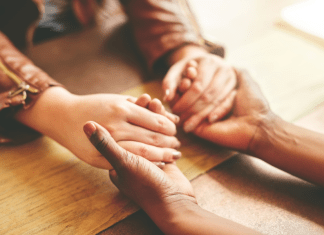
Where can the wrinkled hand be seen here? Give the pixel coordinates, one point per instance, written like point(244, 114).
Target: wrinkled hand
point(210, 94)
point(250, 108)
point(158, 192)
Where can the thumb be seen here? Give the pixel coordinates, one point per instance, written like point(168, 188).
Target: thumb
point(105, 144)
point(171, 81)
point(114, 178)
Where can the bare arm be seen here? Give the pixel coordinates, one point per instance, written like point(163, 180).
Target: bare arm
point(291, 148)
point(255, 129)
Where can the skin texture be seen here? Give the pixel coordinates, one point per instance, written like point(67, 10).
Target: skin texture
point(253, 128)
point(165, 195)
point(133, 127)
point(211, 82)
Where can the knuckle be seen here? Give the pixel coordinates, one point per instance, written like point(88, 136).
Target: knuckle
point(120, 108)
point(161, 125)
point(144, 152)
point(156, 140)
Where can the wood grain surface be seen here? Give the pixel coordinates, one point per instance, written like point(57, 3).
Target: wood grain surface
point(45, 189)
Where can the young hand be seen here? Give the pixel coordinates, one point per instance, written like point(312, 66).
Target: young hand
point(61, 116)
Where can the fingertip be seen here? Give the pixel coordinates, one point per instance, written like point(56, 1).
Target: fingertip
point(160, 165)
point(169, 95)
point(213, 117)
point(143, 100)
point(191, 72)
point(131, 99)
point(89, 129)
point(193, 63)
point(172, 117)
point(185, 84)
point(188, 127)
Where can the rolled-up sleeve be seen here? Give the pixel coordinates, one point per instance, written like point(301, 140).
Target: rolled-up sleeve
point(161, 26)
point(21, 83)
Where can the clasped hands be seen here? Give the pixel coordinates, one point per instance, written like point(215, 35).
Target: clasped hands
point(165, 194)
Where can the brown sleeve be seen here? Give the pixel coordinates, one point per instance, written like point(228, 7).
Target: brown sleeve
point(161, 26)
point(21, 83)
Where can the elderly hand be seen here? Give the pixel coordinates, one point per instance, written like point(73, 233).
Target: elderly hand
point(209, 94)
point(250, 109)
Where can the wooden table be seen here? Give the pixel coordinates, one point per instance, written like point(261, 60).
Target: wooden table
point(243, 189)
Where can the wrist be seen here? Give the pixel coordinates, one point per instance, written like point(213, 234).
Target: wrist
point(187, 51)
point(48, 109)
point(173, 217)
point(268, 127)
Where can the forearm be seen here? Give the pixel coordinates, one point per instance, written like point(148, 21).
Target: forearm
point(291, 148)
point(49, 112)
point(191, 219)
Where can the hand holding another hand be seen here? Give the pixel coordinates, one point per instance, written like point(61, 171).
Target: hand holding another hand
point(200, 87)
point(249, 110)
point(61, 116)
point(161, 193)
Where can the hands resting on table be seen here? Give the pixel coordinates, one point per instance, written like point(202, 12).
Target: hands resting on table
point(167, 196)
point(61, 115)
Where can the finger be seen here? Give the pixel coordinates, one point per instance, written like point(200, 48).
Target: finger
point(157, 107)
point(192, 63)
point(203, 79)
point(105, 144)
point(184, 85)
point(151, 153)
point(226, 133)
point(132, 99)
point(160, 165)
point(191, 72)
point(143, 100)
point(223, 83)
point(171, 80)
point(175, 99)
point(139, 134)
point(172, 117)
point(152, 121)
point(193, 121)
point(223, 109)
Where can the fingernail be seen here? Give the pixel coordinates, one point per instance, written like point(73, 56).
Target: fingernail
point(213, 118)
point(188, 127)
point(176, 118)
point(176, 155)
point(89, 129)
point(167, 93)
point(159, 164)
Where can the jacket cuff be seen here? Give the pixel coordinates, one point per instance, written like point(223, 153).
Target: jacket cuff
point(21, 84)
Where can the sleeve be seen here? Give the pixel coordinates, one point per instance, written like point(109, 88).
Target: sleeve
point(162, 26)
point(21, 83)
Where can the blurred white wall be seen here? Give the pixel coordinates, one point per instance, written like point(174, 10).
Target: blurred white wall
point(237, 22)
